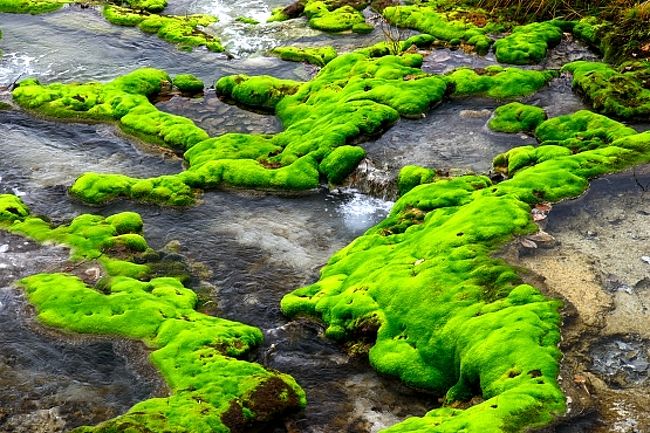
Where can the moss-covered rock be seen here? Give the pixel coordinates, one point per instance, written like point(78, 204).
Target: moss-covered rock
point(33, 7)
point(411, 176)
point(516, 117)
point(498, 82)
point(327, 15)
point(319, 56)
point(188, 83)
point(448, 316)
point(528, 44)
point(353, 98)
point(247, 20)
point(211, 390)
point(450, 27)
point(184, 31)
point(622, 91)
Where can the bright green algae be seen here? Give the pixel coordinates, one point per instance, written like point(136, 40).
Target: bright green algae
point(188, 83)
point(319, 56)
point(516, 117)
point(180, 30)
point(448, 316)
point(442, 25)
point(328, 15)
point(622, 91)
point(353, 97)
point(529, 43)
point(498, 82)
point(33, 7)
point(212, 391)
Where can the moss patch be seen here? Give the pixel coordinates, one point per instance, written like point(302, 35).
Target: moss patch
point(316, 56)
point(498, 82)
point(516, 117)
point(528, 44)
point(183, 31)
point(188, 83)
point(622, 91)
point(449, 317)
point(327, 15)
point(448, 26)
point(196, 354)
point(33, 7)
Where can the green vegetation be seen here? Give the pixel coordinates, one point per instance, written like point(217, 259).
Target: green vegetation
point(528, 44)
point(188, 83)
point(212, 391)
point(449, 317)
point(498, 82)
point(247, 20)
point(352, 98)
point(622, 91)
point(153, 6)
point(180, 30)
point(316, 56)
point(33, 7)
point(446, 26)
point(516, 117)
point(327, 15)
point(411, 176)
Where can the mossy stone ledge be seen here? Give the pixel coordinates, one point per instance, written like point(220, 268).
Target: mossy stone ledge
point(33, 7)
point(620, 91)
point(528, 44)
point(448, 316)
point(318, 56)
point(212, 390)
point(516, 117)
point(327, 15)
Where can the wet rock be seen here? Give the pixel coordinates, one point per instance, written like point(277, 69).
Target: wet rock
point(622, 361)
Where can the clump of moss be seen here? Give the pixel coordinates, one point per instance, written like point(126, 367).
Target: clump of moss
point(319, 56)
point(184, 31)
point(498, 82)
point(528, 44)
point(353, 97)
point(247, 20)
point(442, 25)
point(327, 15)
point(124, 99)
point(211, 390)
point(188, 83)
point(33, 7)
point(622, 91)
point(153, 6)
point(448, 316)
point(411, 176)
point(516, 117)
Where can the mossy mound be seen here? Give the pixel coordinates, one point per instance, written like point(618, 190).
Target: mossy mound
point(247, 20)
point(528, 44)
point(212, 391)
point(622, 91)
point(153, 6)
point(188, 83)
point(319, 56)
point(33, 7)
point(498, 82)
point(411, 176)
point(516, 117)
point(327, 15)
point(354, 97)
point(448, 316)
point(450, 27)
point(184, 31)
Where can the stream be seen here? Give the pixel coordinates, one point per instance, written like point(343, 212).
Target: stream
point(245, 249)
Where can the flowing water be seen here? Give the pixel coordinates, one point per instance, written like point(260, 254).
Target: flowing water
point(245, 250)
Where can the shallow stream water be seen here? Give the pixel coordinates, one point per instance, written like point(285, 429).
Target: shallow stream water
point(246, 250)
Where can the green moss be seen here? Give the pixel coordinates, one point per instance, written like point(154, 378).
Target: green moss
point(448, 316)
point(194, 352)
point(183, 31)
point(443, 26)
point(341, 162)
point(247, 20)
point(497, 82)
point(516, 117)
point(411, 176)
point(262, 92)
point(316, 56)
point(188, 83)
point(354, 97)
point(33, 7)
point(153, 6)
point(528, 44)
point(332, 16)
point(277, 14)
point(616, 91)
